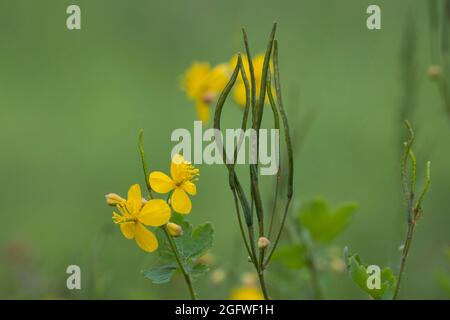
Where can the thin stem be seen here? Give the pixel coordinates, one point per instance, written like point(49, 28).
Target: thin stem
point(443, 88)
point(311, 264)
point(241, 226)
point(312, 267)
point(296, 236)
point(414, 211)
point(251, 236)
point(262, 282)
point(144, 165)
point(186, 276)
point(405, 251)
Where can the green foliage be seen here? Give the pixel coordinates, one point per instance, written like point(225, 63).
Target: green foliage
point(358, 272)
point(323, 224)
point(160, 273)
point(191, 245)
point(291, 256)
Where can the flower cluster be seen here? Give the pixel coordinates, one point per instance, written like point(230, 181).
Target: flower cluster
point(137, 213)
point(203, 84)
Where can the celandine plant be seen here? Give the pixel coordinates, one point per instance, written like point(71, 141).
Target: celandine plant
point(159, 224)
point(256, 233)
point(383, 284)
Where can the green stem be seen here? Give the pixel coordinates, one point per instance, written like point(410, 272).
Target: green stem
point(144, 165)
point(314, 273)
point(186, 276)
point(405, 251)
point(262, 282)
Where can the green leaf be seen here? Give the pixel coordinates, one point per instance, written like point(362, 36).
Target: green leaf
point(160, 273)
point(200, 241)
point(323, 224)
point(199, 270)
point(191, 245)
point(291, 256)
point(358, 273)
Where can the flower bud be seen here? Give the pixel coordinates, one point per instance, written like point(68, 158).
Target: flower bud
point(434, 71)
point(263, 242)
point(175, 230)
point(114, 199)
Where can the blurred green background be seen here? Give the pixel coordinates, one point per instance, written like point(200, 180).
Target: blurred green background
point(72, 102)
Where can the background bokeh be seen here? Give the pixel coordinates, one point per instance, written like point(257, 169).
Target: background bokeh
point(72, 102)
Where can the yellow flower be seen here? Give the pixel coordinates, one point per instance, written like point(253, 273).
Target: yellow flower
point(246, 293)
point(182, 182)
point(203, 84)
point(239, 90)
point(136, 214)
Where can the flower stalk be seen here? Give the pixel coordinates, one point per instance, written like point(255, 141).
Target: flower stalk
point(170, 240)
point(187, 277)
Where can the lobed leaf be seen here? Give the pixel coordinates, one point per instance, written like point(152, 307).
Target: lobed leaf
point(160, 273)
point(359, 275)
point(191, 245)
point(323, 224)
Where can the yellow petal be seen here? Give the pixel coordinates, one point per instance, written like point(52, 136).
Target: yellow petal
point(202, 111)
point(239, 94)
point(258, 63)
point(177, 168)
point(155, 213)
point(189, 187)
point(194, 80)
point(180, 201)
point(134, 201)
point(218, 78)
point(128, 229)
point(160, 182)
point(145, 239)
point(246, 293)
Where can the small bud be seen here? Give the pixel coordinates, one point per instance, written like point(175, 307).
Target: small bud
point(434, 71)
point(113, 199)
point(263, 242)
point(175, 230)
